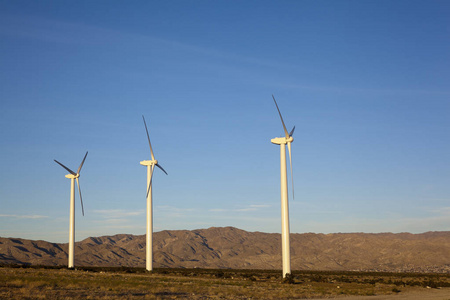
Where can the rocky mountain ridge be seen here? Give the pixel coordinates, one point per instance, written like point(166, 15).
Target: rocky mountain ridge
point(229, 247)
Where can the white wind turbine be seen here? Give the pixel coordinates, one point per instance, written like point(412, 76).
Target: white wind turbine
point(149, 234)
point(282, 141)
point(72, 176)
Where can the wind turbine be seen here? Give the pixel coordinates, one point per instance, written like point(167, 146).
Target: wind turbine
point(149, 234)
point(73, 176)
point(282, 141)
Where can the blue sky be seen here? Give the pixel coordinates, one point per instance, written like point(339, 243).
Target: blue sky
point(364, 82)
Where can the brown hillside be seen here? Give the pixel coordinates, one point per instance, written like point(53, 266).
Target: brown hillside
point(229, 247)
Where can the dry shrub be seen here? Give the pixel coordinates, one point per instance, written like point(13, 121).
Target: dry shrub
point(16, 283)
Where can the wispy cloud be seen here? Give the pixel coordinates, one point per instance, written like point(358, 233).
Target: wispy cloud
point(436, 219)
point(260, 205)
point(250, 222)
point(246, 209)
point(118, 219)
point(174, 212)
point(24, 216)
point(317, 209)
point(173, 208)
point(356, 90)
point(113, 221)
point(121, 226)
point(218, 209)
point(56, 31)
point(443, 211)
point(118, 213)
point(252, 207)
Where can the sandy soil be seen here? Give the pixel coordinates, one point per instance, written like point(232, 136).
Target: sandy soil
point(428, 294)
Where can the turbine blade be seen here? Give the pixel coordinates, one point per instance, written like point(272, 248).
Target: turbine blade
point(292, 131)
point(150, 183)
point(161, 168)
point(290, 161)
point(82, 163)
point(148, 137)
point(81, 198)
point(69, 170)
point(284, 126)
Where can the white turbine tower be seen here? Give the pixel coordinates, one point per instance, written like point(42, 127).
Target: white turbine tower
point(149, 234)
point(72, 176)
point(282, 141)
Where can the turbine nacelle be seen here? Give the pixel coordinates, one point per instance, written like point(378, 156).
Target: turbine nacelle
point(149, 162)
point(71, 176)
point(282, 140)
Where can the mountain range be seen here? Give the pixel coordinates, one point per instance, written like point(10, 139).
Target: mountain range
point(229, 247)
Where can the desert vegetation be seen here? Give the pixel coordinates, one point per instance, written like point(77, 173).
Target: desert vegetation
point(40, 282)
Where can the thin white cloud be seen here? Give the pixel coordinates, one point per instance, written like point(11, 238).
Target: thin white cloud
point(247, 209)
point(260, 205)
point(247, 218)
point(24, 216)
point(352, 90)
point(437, 220)
point(118, 213)
point(81, 34)
point(124, 227)
point(443, 211)
point(112, 221)
point(252, 207)
point(174, 209)
point(166, 211)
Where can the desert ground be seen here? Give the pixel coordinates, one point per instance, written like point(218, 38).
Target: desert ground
point(19, 282)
